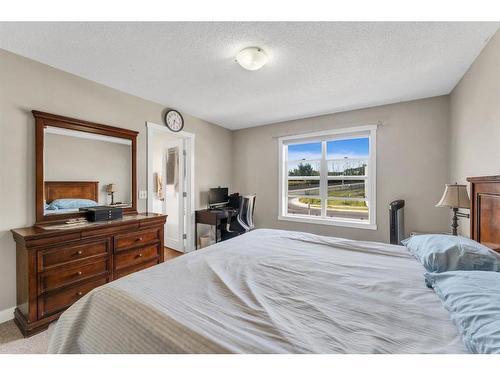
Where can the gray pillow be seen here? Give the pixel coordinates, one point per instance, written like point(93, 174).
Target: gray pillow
point(441, 253)
point(473, 301)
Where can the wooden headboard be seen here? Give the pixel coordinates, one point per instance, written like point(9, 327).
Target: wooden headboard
point(485, 210)
point(71, 189)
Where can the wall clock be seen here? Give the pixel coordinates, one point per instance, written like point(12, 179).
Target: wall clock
point(174, 120)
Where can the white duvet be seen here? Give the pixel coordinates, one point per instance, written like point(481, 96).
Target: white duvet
point(268, 291)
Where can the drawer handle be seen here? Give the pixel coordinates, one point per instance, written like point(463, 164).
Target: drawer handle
point(138, 239)
point(140, 255)
point(79, 252)
point(79, 294)
point(79, 273)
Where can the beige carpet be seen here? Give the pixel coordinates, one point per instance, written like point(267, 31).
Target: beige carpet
point(13, 342)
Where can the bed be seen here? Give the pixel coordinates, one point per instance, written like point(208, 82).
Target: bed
point(69, 190)
point(257, 293)
point(274, 291)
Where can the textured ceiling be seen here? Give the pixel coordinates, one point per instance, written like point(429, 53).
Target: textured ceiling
point(314, 68)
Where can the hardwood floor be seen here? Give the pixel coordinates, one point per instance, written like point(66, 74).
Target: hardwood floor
point(171, 253)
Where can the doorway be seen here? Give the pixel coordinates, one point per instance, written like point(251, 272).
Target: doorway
point(170, 183)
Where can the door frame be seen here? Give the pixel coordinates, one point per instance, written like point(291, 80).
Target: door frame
point(190, 138)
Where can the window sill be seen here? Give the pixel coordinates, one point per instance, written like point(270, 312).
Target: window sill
point(334, 222)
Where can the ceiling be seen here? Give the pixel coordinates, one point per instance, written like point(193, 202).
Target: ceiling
point(315, 68)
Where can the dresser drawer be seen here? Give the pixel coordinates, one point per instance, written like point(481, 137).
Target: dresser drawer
point(129, 240)
point(52, 303)
point(64, 254)
point(133, 257)
point(127, 271)
point(61, 276)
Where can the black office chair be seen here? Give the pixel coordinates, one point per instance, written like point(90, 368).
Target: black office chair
point(244, 221)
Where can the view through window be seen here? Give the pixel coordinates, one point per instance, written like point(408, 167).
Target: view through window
point(328, 178)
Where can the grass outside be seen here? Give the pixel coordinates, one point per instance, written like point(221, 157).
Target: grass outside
point(339, 203)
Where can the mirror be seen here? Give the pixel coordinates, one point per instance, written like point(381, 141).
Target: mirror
point(84, 169)
point(82, 165)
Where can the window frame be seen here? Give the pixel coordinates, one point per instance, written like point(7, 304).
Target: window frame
point(365, 131)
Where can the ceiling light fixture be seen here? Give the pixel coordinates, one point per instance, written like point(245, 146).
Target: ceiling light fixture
point(251, 58)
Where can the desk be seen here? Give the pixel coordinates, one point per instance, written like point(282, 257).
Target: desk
point(212, 217)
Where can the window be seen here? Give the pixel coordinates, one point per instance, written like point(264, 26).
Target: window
point(329, 177)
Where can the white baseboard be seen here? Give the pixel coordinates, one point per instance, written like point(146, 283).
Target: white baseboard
point(7, 314)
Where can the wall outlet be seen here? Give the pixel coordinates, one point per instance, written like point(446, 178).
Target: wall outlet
point(143, 194)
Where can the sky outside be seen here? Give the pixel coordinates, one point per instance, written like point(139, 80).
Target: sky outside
point(351, 148)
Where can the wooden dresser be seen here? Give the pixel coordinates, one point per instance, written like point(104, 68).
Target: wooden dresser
point(57, 264)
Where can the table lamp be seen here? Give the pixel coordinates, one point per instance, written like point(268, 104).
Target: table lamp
point(455, 196)
point(111, 189)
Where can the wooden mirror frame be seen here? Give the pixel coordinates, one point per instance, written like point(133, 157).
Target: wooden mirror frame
point(42, 120)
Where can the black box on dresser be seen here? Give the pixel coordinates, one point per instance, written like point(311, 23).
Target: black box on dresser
point(103, 213)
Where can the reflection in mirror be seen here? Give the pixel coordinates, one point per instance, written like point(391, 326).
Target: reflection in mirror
point(84, 170)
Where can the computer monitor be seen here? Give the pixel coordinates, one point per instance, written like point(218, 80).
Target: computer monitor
point(218, 196)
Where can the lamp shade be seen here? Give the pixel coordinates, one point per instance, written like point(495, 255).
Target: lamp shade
point(455, 196)
point(111, 188)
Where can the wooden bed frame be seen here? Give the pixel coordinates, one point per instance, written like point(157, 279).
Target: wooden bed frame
point(485, 210)
point(71, 189)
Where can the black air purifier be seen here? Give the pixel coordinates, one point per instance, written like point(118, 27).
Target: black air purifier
point(397, 223)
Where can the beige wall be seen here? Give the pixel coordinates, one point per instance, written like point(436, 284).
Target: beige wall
point(27, 85)
point(475, 120)
point(79, 159)
point(412, 164)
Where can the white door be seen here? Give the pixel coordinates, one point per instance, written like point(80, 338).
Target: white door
point(176, 198)
point(174, 170)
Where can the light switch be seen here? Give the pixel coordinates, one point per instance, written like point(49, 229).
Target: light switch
point(143, 194)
